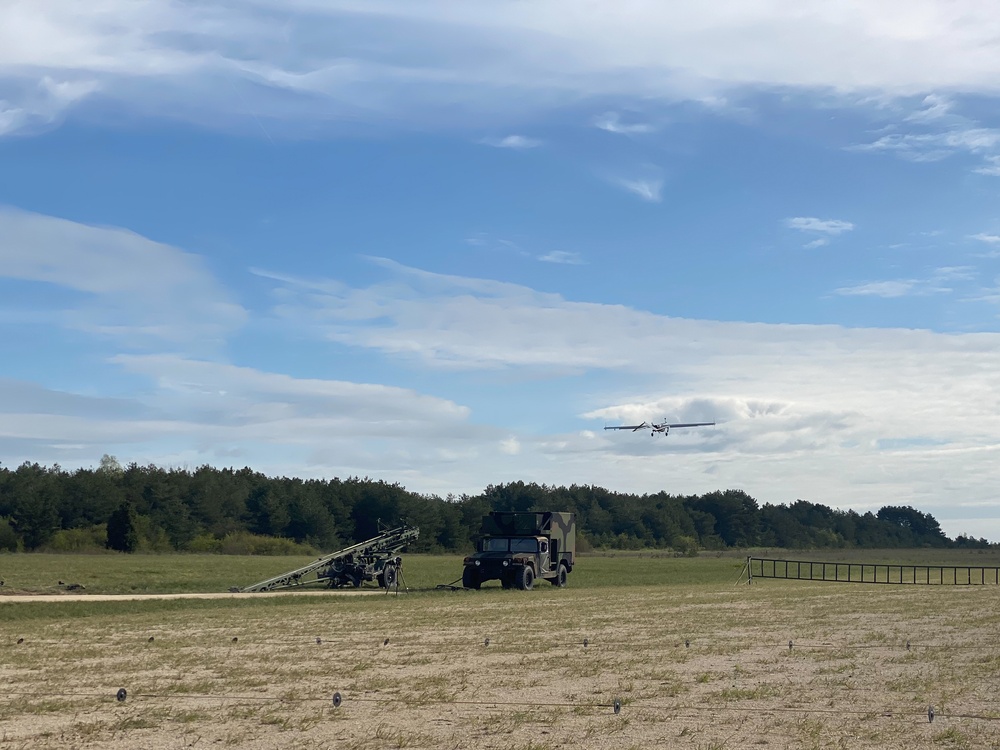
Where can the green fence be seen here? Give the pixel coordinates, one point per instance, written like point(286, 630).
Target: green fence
point(846, 572)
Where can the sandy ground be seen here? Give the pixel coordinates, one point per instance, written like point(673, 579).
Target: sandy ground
point(704, 669)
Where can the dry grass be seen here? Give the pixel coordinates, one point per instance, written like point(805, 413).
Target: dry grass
point(848, 680)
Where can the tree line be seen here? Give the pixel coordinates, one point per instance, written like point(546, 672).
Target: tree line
point(243, 511)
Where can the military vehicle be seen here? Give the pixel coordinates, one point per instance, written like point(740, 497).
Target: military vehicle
point(375, 559)
point(518, 548)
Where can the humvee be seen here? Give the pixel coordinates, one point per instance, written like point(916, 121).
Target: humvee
point(518, 548)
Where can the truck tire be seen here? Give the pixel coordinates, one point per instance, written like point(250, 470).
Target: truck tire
point(526, 578)
point(560, 579)
point(470, 578)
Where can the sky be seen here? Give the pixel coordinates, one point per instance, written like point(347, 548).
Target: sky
point(444, 244)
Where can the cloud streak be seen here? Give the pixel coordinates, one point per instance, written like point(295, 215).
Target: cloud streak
point(516, 142)
point(832, 227)
point(135, 290)
point(347, 60)
point(649, 190)
point(612, 122)
point(562, 257)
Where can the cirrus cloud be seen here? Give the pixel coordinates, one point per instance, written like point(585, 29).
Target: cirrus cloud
point(218, 63)
point(831, 227)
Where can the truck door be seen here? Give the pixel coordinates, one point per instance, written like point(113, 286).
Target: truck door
point(544, 559)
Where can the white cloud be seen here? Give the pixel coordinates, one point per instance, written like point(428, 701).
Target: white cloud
point(519, 142)
point(991, 168)
point(195, 412)
point(955, 273)
point(134, 289)
point(823, 226)
point(934, 108)
point(936, 146)
point(819, 242)
point(265, 398)
point(562, 256)
point(611, 121)
point(991, 239)
point(938, 281)
point(648, 189)
point(941, 133)
point(41, 103)
point(221, 63)
point(888, 289)
point(935, 283)
point(441, 321)
point(511, 446)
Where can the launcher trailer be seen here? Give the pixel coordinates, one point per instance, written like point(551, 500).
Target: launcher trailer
point(376, 559)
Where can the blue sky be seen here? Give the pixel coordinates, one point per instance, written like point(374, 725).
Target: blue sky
point(444, 244)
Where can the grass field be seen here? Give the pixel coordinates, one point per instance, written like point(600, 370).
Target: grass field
point(695, 660)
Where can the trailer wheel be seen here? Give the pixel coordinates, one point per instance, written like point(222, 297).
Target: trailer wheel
point(470, 578)
point(387, 578)
point(560, 579)
point(526, 578)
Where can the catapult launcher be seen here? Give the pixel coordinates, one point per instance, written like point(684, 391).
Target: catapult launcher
point(376, 559)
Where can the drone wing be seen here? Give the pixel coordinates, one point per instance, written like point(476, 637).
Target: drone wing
point(632, 427)
point(691, 424)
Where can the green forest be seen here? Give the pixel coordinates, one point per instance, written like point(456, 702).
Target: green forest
point(216, 510)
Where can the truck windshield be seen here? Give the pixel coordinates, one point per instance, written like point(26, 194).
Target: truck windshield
point(495, 545)
point(524, 545)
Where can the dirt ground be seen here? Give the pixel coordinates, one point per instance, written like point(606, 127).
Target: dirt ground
point(690, 667)
point(13, 597)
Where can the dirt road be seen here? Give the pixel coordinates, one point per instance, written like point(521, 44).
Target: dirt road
point(9, 598)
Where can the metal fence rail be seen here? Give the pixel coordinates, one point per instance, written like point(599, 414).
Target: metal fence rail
point(847, 572)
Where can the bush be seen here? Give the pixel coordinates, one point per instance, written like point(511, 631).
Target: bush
point(686, 546)
point(92, 539)
point(205, 544)
point(245, 543)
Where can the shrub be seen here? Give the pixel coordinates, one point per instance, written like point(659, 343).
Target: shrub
point(686, 546)
point(204, 544)
point(245, 543)
point(91, 539)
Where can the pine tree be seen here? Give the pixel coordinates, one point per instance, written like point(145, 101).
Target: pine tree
point(123, 533)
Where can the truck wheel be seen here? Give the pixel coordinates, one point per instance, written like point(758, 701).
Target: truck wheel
point(470, 578)
point(526, 578)
point(560, 579)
